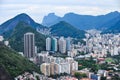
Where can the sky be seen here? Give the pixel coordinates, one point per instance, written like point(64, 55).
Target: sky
point(37, 9)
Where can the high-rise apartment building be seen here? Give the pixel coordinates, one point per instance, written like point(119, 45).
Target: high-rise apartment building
point(68, 44)
point(54, 44)
point(29, 45)
point(62, 45)
point(48, 44)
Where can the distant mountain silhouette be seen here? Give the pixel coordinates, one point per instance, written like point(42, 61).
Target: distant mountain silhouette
point(82, 22)
point(50, 19)
point(11, 24)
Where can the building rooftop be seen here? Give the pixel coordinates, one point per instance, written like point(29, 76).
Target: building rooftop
point(29, 33)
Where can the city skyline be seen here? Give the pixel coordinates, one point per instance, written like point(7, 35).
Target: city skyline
point(38, 9)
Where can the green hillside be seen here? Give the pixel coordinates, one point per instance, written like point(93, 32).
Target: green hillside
point(13, 63)
point(113, 29)
point(64, 29)
point(16, 37)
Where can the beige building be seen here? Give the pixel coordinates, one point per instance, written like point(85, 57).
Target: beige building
point(57, 68)
point(45, 69)
point(52, 68)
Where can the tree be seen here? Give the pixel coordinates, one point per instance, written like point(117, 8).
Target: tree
point(95, 68)
point(37, 78)
point(116, 77)
point(80, 75)
point(103, 78)
point(77, 75)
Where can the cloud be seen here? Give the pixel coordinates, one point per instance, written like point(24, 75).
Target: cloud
point(37, 9)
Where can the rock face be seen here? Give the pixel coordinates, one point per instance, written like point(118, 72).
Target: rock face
point(50, 19)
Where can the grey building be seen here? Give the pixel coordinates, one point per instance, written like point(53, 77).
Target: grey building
point(29, 45)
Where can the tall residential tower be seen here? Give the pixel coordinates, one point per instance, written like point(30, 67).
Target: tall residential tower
point(29, 45)
point(48, 44)
point(68, 44)
point(62, 45)
point(54, 44)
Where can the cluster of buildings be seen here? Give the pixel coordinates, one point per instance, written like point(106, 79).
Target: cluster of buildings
point(62, 45)
point(44, 31)
point(100, 45)
point(97, 45)
point(36, 76)
point(50, 65)
point(93, 76)
point(67, 78)
point(32, 76)
point(52, 44)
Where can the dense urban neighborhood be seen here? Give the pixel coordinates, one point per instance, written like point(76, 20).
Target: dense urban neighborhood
point(59, 40)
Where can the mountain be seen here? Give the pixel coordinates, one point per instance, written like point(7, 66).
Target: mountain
point(11, 24)
point(50, 19)
point(82, 22)
point(114, 28)
point(67, 30)
point(12, 64)
point(110, 22)
point(16, 37)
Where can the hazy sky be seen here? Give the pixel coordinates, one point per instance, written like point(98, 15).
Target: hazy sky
point(37, 9)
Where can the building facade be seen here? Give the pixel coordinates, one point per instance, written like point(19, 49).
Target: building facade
point(29, 45)
point(68, 44)
point(62, 45)
point(54, 44)
point(48, 44)
point(45, 69)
